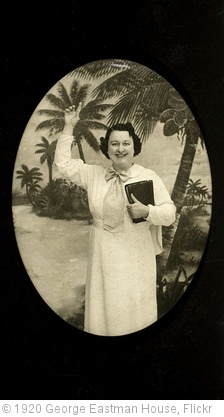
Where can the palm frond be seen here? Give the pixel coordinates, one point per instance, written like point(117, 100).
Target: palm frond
point(115, 86)
point(82, 131)
point(36, 177)
point(97, 103)
point(151, 99)
point(78, 93)
point(102, 68)
point(145, 76)
point(20, 174)
point(92, 114)
point(55, 101)
point(34, 188)
point(94, 110)
point(43, 150)
point(129, 80)
point(43, 158)
point(92, 124)
point(144, 127)
point(63, 95)
point(45, 144)
point(74, 89)
point(51, 113)
point(53, 124)
point(23, 182)
point(123, 110)
point(25, 167)
point(102, 107)
point(35, 171)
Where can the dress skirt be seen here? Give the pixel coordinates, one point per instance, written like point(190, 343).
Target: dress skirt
point(121, 280)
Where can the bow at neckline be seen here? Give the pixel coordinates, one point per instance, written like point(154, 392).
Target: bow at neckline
point(111, 172)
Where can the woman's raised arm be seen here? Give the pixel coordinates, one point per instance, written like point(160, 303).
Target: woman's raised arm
point(73, 169)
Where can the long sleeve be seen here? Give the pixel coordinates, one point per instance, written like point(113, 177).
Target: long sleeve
point(73, 169)
point(163, 213)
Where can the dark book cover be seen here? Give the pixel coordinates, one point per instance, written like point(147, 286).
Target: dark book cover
point(143, 191)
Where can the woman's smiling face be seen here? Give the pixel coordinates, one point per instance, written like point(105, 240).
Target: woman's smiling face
point(121, 149)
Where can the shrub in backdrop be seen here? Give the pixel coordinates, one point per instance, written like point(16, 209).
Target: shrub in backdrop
point(62, 200)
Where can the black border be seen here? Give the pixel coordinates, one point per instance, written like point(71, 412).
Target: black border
point(180, 356)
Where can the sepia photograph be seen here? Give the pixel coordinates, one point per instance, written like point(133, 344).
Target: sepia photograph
point(112, 197)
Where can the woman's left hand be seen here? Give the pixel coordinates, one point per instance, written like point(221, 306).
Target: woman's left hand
point(137, 209)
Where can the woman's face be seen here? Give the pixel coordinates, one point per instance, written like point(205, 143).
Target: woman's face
point(121, 149)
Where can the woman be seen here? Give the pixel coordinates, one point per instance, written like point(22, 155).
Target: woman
point(120, 296)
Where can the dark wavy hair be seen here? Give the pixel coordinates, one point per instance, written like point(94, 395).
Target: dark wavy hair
point(122, 127)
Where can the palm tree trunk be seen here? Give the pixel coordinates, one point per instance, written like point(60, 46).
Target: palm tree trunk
point(179, 190)
point(28, 195)
point(80, 149)
point(50, 172)
point(186, 163)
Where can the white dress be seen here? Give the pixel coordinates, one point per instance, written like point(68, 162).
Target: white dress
point(120, 293)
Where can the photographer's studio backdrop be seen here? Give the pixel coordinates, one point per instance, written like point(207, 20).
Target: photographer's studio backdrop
point(179, 356)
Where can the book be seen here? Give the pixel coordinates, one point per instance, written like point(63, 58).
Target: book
point(143, 191)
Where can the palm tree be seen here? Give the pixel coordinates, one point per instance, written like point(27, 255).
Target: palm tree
point(47, 150)
point(203, 193)
point(192, 192)
point(90, 116)
point(179, 120)
point(146, 98)
point(34, 188)
point(141, 94)
point(30, 179)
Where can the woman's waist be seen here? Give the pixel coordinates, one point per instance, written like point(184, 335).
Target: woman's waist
point(127, 225)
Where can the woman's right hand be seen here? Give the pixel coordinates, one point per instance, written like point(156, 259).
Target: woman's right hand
point(72, 115)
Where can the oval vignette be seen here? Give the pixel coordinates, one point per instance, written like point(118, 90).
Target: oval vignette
point(52, 220)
